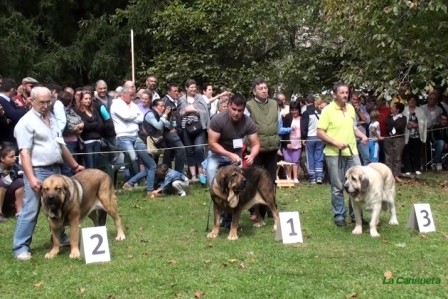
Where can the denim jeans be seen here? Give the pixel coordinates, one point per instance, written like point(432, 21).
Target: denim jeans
point(27, 220)
point(172, 139)
point(214, 163)
point(148, 162)
point(374, 150)
point(315, 157)
point(438, 150)
point(364, 152)
point(126, 143)
point(195, 154)
point(90, 158)
point(337, 178)
point(66, 169)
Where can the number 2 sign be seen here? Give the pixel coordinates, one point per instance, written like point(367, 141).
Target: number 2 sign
point(290, 230)
point(95, 245)
point(421, 218)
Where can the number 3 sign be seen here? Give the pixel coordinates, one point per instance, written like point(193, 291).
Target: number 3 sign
point(421, 218)
point(290, 230)
point(94, 245)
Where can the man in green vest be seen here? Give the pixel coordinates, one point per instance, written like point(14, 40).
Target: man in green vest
point(265, 114)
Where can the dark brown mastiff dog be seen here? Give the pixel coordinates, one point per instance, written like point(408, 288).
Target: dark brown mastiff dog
point(67, 201)
point(234, 189)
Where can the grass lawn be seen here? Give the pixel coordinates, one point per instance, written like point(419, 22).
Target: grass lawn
point(167, 255)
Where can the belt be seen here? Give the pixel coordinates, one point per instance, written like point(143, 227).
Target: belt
point(49, 167)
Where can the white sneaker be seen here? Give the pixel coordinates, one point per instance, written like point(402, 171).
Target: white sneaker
point(418, 172)
point(24, 256)
point(183, 193)
point(296, 181)
point(407, 174)
point(439, 166)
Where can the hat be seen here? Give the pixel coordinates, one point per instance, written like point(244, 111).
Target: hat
point(29, 80)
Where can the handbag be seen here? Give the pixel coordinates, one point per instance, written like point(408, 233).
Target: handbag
point(193, 127)
point(73, 120)
point(155, 145)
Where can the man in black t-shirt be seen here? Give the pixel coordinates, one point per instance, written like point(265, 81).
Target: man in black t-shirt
point(225, 139)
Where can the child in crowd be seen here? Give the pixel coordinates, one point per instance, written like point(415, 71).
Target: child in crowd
point(375, 135)
point(173, 182)
point(12, 187)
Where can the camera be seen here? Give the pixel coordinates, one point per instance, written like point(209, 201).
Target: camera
point(173, 109)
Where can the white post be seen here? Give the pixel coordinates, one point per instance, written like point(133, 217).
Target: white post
point(132, 56)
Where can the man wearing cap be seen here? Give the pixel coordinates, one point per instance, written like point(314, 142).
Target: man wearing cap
point(27, 84)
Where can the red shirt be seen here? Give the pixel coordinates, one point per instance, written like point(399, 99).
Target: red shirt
point(384, 113)
point(21, 99)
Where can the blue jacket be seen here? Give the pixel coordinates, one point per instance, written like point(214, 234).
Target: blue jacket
point(172, 176)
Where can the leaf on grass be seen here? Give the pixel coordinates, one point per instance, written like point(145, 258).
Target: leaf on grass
point(296, 246)
point(138, 207)
point(445, 235)
point(424, 236)
point(233, 261)
point(141, 228)
point(178, 295)
point(130, 256)
point(209, 245)
point(145, 253)
point(198, 294)
point(222, 265)
point(111, 297)
point(207, 261)
point(243, 265)
point(82, 290)
point(172, 262)
point(388, 274)
point(39, 284)
point(384, 241)
point(354, 295)
point(252, 260)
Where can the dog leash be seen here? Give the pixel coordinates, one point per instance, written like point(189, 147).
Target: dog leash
point(340, 156)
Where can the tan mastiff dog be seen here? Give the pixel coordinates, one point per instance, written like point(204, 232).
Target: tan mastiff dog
point(371, 187)
point(67, 201)
point(234, 190)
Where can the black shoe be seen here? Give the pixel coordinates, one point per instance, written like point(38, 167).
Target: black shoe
point(364, 222)
point(340, 223)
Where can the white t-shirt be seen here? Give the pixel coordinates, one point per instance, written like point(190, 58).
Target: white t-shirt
point(376, 125)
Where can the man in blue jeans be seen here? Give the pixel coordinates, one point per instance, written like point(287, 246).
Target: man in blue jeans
point(337, 127)
point(225, 140)
point(42, 152)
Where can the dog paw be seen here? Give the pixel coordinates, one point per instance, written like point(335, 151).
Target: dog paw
point(393, 222)
point(75, 254)
point(232, 237)
point(259, 224)
point(51, 255)
point(120, 237)
point(212, 235)
point(357, 231)
point(374, 234)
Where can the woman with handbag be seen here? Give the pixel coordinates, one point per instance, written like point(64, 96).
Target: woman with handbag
point(195, 121)
point(72, 130)
point(93, 128)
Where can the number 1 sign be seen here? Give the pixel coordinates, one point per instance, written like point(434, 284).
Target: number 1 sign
point(290, 230)
point(95, 245)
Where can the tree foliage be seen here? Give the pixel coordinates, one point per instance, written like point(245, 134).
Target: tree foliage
point(299, 46)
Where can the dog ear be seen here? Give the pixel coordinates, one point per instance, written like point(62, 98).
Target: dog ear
point(67, 193)
point(364, 183)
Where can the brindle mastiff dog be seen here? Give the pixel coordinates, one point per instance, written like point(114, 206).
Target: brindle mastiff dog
point(234, 189)
point(67, 201)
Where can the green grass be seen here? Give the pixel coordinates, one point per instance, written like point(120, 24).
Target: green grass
point(167, 255)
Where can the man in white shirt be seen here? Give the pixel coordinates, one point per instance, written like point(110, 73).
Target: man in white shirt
point(126, 117)
point(432, 111)
point(57, 108)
